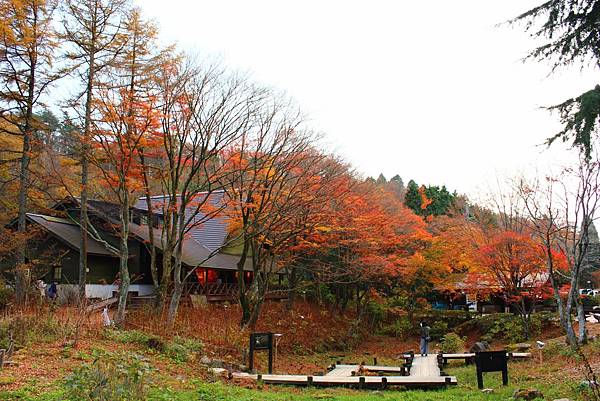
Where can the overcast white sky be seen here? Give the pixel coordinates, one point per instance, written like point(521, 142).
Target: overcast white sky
point(433, 91)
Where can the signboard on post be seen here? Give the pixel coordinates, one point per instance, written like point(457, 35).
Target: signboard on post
point(472, 303)
point(491, 361)
point(261, 341)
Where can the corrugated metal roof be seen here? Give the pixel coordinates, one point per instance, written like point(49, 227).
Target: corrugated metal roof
point(194, 253)
point(69, 232)
point(211, 232)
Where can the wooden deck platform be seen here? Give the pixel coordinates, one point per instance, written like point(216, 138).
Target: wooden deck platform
point(424, 373)
point(469, 356)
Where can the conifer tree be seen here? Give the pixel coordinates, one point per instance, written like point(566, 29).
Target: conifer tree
point(570, 34)
point(412, 199)
point(93, 30)
point(27, 47)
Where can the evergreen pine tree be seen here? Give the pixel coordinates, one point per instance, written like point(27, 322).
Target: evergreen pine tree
point(412, 199)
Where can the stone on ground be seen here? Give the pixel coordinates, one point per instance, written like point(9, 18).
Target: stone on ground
point(527, 394)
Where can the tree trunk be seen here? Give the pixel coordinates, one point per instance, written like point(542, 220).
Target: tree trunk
point(123, 259)
point(581, 320)
point(254, 314)
point(564, 310)
point(242, 292)
point(150, 221)
point(525, 315)
point(165, 279)
point(177, 286)
point(22, 276)
point(569, 329)
point(176, 297)
point(178, 281)
point(292, 283)
point(83, 214)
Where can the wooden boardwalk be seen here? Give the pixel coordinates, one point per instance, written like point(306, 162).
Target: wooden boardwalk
point(425, 366)
point(423, 373)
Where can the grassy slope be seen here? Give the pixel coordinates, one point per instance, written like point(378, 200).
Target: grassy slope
point(44, 364)
point(465, 391)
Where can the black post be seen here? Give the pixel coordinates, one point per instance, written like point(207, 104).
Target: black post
point(251, 356)
point(384, 382)
point(479, 378)
point(505, 376)
point(271, 355)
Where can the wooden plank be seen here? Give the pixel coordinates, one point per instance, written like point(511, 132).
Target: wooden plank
point(425, 366)
point(465, 355)
point(343, 370)
point(352, 380)
point(373, 368)
point(369, 381)
point(101, 304)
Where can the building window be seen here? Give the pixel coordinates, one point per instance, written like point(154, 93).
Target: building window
point(56, 273)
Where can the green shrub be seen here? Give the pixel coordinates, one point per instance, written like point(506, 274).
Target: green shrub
point(439, 328)
point(182, 349)
point(589, 301)
point(31, 329)
point(452, 343)
point(506, 327)
point(179, 349)
point(402, 327)
point(110, 377)
point(452, 318)
point(6, 296)
point(376, 313)
point(134, 337)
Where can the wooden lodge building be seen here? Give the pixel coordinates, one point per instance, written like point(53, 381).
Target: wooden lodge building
point(57, 245)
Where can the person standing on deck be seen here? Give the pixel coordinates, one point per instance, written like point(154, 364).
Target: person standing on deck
point(425, 338)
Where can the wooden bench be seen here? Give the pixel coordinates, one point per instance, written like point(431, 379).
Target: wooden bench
point(470, 356)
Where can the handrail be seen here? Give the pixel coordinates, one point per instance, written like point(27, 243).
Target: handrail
point(224, 289)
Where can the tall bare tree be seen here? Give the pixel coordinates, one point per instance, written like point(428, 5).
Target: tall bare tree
point(94, 32)
point(202, 111)
point(561, 210)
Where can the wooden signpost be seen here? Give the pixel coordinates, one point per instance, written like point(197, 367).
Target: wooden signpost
point(261, 341)
point(491, 361)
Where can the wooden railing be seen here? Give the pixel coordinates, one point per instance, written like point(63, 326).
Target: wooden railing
point(229, 291)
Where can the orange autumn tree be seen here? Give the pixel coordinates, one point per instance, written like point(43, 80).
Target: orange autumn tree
point(514, 265)
point(127, 121)
point(125, 124)
point(277, 181)
point(364, 244)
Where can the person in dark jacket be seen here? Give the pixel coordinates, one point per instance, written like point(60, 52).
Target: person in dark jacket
point(425, 338)
point(52, 291)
